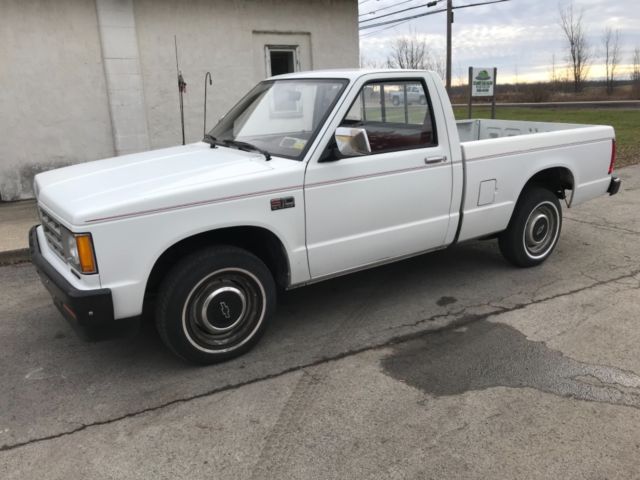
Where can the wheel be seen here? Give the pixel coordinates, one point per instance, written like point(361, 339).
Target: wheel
point(215, 304)
point(423, 100)
point(395, 101)
point(534, 228)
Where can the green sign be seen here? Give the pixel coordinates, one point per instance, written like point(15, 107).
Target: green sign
point(483, 82)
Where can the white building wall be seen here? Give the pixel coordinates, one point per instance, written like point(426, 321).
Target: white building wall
point(224, 37)
point(119, 40)
point(87, 79)
point(54, 109)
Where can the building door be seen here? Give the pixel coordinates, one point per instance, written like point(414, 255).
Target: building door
point(281, 59)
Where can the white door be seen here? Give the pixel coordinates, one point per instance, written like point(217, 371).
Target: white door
point(394, 202)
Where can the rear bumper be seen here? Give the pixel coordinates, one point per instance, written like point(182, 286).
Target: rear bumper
point(614, 186)
point(90, 312)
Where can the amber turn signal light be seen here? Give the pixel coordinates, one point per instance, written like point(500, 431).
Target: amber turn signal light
point(85, 254)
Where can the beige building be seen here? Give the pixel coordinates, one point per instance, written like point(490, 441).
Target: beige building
point(87, 79)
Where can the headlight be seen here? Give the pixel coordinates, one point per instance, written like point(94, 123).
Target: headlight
point(78, 251)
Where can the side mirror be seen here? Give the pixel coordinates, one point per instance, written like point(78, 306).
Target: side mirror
point(352, 141)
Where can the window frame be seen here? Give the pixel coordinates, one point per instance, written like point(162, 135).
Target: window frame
point(429, 104)
point(293, 49)
point(321, 123)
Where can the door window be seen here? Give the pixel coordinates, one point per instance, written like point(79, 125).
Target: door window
point(396, 116)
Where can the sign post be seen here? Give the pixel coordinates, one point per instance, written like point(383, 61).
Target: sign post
point(482, 82)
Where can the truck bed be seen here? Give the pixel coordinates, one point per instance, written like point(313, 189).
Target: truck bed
point(484, 129)
point(500, 156)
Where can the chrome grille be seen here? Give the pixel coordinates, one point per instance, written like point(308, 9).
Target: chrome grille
point(52, 232)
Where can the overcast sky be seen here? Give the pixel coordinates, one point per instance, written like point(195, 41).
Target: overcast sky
point(519, 36)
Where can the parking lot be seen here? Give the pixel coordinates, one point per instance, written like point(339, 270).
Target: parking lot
point(448, 365)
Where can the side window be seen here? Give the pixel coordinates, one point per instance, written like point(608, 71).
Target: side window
point(396, 116)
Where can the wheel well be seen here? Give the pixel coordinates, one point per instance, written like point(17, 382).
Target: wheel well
point(261, 242)
point(556, 179)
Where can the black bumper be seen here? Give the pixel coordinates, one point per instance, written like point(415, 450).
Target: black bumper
point(614, 186)
point(90, 312)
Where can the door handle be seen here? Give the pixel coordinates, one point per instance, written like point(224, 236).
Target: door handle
point(431, 160)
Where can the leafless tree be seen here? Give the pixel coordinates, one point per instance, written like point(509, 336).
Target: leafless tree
point(635, 72)
point(579, 55)
point(412, 52)
point(557, 74)
point(366, 62)
point(611, 44)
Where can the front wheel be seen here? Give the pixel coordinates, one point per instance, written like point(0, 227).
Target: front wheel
point(215, 304)
point(534, 228)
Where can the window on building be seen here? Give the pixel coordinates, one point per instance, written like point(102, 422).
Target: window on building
point(281, 59)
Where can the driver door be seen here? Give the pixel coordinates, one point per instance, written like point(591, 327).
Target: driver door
point(393, 202)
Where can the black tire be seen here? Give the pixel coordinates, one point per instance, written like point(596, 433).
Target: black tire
point(534, 228)
point(395, 101)
point(215, 304)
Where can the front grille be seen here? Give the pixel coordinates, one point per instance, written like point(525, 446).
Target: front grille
point(52, 232)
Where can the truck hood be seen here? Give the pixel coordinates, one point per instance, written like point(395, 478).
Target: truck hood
point(141, 182)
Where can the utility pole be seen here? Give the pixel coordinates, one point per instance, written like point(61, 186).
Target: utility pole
point(449, 22)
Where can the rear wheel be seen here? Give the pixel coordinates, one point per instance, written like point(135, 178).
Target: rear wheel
point(534, 228)
point(215, 304)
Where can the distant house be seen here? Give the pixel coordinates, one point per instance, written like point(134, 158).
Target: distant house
point(87, 79)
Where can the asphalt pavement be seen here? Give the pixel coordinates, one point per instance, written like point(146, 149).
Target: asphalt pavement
point(449, 365)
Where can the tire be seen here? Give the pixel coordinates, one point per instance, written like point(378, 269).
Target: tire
point(534, 228)
point(215, 304)
point(395, 101)
point(423, 100)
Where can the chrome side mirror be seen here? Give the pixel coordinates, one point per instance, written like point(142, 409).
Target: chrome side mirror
point(352, 141)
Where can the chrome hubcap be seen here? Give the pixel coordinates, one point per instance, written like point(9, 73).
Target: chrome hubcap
point(224, 310)
point(541, 230)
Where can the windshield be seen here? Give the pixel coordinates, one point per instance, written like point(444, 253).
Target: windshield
point(281, 117)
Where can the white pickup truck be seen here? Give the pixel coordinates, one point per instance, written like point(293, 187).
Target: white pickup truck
point(311, 175)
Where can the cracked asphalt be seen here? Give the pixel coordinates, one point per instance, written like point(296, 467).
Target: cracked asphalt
point(449, 365)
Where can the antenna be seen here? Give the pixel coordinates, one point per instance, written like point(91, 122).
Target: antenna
point(206, 76)
point(182, 88)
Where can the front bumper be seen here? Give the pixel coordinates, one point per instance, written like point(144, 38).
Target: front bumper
point(614, 186)
point(90, 312)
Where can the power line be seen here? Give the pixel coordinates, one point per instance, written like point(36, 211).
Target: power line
point(428, 4)
point(370, 34)
point(432, 12)
point(411, 17)
point(376, 10)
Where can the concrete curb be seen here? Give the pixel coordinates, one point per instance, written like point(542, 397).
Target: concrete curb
point(13, 257)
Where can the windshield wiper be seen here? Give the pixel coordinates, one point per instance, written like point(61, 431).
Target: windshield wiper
point(211, 140)
point(247, 147)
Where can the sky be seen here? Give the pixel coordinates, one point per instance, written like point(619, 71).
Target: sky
point(519, 37)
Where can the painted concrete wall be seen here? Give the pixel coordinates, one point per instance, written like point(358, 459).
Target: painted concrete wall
point(117, 26)
point(87, 79)
point(227, 38)
point(53, 101)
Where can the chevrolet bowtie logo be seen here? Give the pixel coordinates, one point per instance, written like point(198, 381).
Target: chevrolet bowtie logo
point(226, 311)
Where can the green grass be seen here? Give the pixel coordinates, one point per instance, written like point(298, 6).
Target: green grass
point(625, 121)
